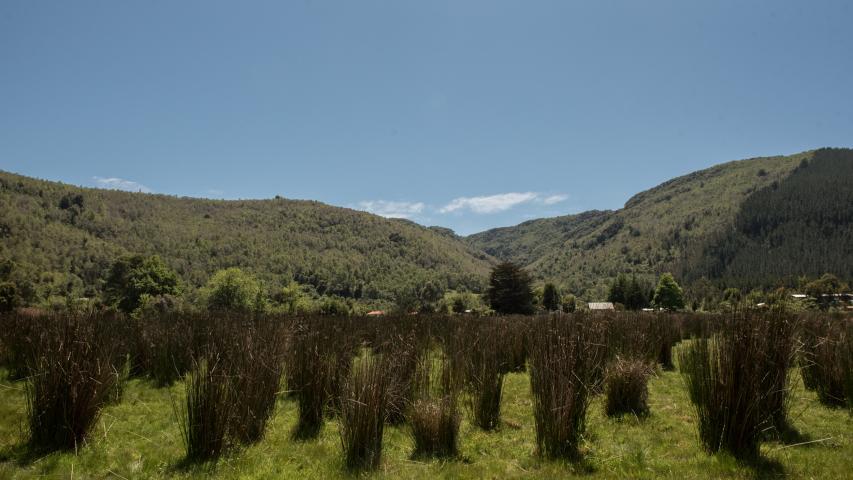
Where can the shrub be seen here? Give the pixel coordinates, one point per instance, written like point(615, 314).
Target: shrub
point(71, 377)
point(363, 411)
point(566, 356)
point(626, 387)
point(435, 427)
point(734, 379)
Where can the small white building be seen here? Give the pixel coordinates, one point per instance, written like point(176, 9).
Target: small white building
point(601, 306)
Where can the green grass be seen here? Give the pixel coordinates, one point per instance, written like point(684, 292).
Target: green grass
point(139, 438)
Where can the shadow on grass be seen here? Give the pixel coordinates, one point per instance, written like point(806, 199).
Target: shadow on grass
point(21, 454)
point(762, 467)
point(629, 417)
point(191, 465)
point(580, 464)
point(24, 454)
point(788, 435)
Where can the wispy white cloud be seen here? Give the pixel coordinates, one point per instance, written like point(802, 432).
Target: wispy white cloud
point(391, 209)
point(552, 199)
point(479, 205)
point(489, 203)
point(115, 183)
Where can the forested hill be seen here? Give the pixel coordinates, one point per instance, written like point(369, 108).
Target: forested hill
point(63, 239)
point(760, 222)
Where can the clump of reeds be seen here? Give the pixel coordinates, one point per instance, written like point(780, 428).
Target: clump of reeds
point(435, 418)
point(207, 409)
point(71, 376)
point(256, 366)
point(401, 360)
point(646, 336)
point(566, 358)
point(665, 332)
point(485, 361)
point(626, 387)
point(165, 353)
point(737, 380)
point(232, 384)
point(824, 346)
point(779, 332)
point(16, 335)
point(339, 346)
point(515, 342)
point(363, 410)
point(309, 375)
point(846, 350)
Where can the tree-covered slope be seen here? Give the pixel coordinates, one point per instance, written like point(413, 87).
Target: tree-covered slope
point(63, 239)
point(669, 227)
point(799, 226)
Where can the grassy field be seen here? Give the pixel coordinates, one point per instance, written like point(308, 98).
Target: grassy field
point(139, 438)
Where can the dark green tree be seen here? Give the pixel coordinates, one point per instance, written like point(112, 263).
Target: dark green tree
point(406, 299)
point(618, 290)
point(428, 295)
point(550, 297)
point(133, 276)
point(668, 294)
point(459, 305)
point(9, 299)
point(510, 289)
point(635, 295)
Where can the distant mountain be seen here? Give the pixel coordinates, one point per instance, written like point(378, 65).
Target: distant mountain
point(760, 222)
point(64, 238)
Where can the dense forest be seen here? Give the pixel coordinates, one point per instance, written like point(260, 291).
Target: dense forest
point(801, 226)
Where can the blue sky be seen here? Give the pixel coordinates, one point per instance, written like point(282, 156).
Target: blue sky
point(466, 114)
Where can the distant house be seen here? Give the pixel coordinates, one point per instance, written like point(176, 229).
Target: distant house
point(601, 306)
point(375, 313)
point(799, 296)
